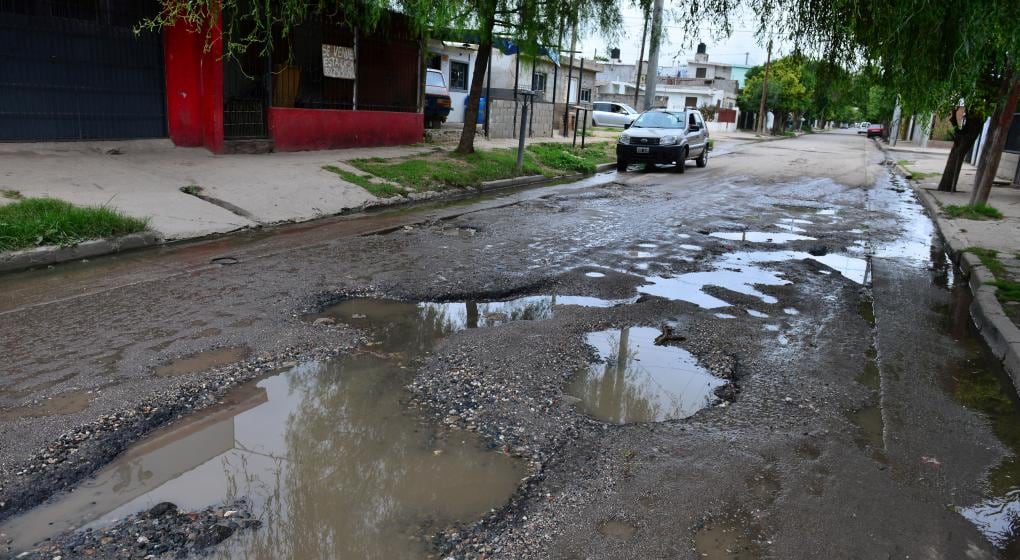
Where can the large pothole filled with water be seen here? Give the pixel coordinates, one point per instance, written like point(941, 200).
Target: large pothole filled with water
point(637, 380)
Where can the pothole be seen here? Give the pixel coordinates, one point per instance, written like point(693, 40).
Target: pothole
point(761, 236)
point(202, 361)
point(62, 404)
point(224, 261)
point(322, 448)
point(639, 381)
point(734, 537)
point(617, 529)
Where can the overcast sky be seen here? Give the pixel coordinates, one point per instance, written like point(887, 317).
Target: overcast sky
point(734, 50)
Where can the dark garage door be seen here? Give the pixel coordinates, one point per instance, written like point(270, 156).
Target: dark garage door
point(73, 69)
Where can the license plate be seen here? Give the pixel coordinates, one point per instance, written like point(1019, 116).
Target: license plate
point(642, 150)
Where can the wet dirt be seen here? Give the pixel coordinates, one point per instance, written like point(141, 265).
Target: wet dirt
point(733, 537)
point(324, 448)
point(639, 381)
point(202, 361)
point(617, 529)
point(64, 403)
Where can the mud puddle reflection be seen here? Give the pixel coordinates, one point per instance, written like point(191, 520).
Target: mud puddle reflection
point(639, 381)
point(333, 462)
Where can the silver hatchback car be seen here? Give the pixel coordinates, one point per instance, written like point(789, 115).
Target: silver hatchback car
point(666, 137)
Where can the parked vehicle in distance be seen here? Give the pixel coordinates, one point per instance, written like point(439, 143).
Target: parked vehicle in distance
point(605, 113)
point(874, 130)
point(863, 128)
point(437, 99)
point(664, 136)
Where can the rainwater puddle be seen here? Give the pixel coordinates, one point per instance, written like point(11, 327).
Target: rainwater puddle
point(333, 462)
point(62, 404)
point(757, 314)
point(594, 275)
point(729, 538)
point(740, 272)
point(638, 381)
point(761, 236)
point(203, 361)
point(690, 247)
point(725, 316)
point(617, 529)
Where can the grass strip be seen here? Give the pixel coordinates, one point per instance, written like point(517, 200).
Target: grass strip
point(34, 222)
point(562, 157)
point(382, 190)
point(975, 212)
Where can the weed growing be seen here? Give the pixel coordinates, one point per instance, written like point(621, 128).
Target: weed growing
point(34, 222)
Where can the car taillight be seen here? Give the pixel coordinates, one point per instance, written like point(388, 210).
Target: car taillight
point(443, 102)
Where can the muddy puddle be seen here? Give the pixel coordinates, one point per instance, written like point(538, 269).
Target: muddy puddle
point(202, 361)
point(62, 404)
point(638, 381)
point(761, 236)
point(333, 462)
point(743, 272)
point(731, 538)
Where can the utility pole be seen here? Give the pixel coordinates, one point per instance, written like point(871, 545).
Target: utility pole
point(764, 93)
point(570, 72)
point(640, 60)
point(652, 74)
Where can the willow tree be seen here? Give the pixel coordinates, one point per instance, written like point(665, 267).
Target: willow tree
point(931, 54)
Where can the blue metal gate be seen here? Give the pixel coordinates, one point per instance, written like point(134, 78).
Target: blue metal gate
point(74, 69)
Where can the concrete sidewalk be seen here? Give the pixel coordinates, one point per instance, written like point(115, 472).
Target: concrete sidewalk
point(143, 179)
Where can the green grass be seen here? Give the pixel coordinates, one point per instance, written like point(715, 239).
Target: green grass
point(918, 175)
point(989, 258)
point(442, 170)
point(193, 190)
point(383, 190)
point(1006, 290)
point(11, 194)
point(562, 157)
point(975, 212)
point(34, 222)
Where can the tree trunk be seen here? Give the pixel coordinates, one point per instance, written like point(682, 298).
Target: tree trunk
point(963, 141)
point(991, 153)
point(467, 134)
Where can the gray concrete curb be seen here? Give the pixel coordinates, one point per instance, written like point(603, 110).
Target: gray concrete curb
point(45, 256)
point(996, 328)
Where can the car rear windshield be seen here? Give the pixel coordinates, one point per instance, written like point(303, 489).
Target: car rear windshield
point(659, 119)
point(435, 79)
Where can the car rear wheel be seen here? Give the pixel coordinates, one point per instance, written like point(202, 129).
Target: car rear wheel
point(702, 160)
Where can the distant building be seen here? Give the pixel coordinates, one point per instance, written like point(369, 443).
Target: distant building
point(702, 67)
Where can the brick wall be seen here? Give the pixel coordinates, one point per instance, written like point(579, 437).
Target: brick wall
point(501, 119)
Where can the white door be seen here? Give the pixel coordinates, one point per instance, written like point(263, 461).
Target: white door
point(572, 92)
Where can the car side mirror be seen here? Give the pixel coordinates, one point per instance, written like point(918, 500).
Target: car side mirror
point(694, 128)
point(626, 125)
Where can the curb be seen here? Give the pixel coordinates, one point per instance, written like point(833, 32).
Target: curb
point(996, 328)
point(45, 256)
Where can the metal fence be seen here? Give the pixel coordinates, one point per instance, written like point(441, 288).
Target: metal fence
point(74, 69)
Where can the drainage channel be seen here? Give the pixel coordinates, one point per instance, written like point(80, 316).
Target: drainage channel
point(326, 449)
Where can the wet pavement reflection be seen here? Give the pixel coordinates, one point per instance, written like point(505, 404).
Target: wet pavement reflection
point(638, 381)
point(332, 460)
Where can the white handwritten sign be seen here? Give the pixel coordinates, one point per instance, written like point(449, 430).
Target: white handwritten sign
point(338, 62)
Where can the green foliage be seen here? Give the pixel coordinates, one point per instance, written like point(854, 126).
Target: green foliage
point(975, 212)
point(33, 222)
point(382, 190)
point(446, 170)
point(989, 258)
point(564, 158)
point(787, 90)
point(1007, 290)
point(11, 194)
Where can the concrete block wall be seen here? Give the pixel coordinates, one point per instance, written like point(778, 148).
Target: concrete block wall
point(501, 119)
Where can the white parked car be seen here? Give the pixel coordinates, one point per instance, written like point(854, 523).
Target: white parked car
point(863, 129)
point(605, 113)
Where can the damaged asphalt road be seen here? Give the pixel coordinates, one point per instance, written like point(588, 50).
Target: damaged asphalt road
point(798, 285)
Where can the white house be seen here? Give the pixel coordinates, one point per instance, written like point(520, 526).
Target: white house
point(457, 63)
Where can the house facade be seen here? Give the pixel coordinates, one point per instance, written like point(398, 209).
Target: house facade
point(77, 71)
point(457, 63)
point(325, 86)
